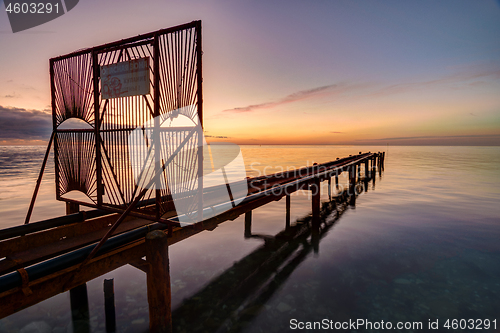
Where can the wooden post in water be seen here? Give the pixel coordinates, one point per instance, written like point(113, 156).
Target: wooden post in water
point(80, 309)
point(352, 179)
point(337, 179)
point(109, 305)
point(379, 164)
point(373, 173)
point(287, 221)
point(78, 295)
point(330, 189)
point(316, 193)
point(248, 224)
point(158, 282)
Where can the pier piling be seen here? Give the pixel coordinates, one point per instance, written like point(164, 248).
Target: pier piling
point(316, 193)
point(80, 309)
point(109, 305)
point(287, 219)
point(248, 224)
point(158, 282)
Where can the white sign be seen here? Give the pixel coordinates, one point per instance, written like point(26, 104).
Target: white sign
point(127, 78)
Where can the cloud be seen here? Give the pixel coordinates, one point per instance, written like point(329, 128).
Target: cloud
point(295, 97)
point(336, 132)
point(436, 140)
point(217, 136)
point(461, 78)
point(442, 137)
point(17, 123)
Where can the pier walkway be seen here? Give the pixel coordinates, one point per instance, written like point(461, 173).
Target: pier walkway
point(42, 259)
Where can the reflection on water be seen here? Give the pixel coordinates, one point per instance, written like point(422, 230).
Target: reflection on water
point(422, 244)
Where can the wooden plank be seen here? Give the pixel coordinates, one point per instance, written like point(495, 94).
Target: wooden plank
point(72, 241)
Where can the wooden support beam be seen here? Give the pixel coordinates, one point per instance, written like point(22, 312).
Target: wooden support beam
point(109, 305)
point(248, 224)
point(330, 189)
point(316, 192)
point(374, 172)
point(72, 208)
point(287, 219)
point(379, 164)
point(158, 282)
point(80, 309)
point(78, 295)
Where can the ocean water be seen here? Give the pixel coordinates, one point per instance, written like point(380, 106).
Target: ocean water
point(420, 247)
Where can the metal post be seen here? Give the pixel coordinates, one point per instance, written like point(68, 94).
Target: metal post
point(97, 125)
point(315, 189)
point(330, 189)
point(287, 221)
point(38, 181)
point(156, 114)
point(72, 207)
point(109, 306)
point(80, 309)
point(158, 282)
point(366, 170)
point(374, 172)
point(199, 86)
point(380, 164)
point(248, 224)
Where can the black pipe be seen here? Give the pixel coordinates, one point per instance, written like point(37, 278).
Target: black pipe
point(39, 270)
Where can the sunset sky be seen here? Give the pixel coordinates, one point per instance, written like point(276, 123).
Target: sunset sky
point(293, 72)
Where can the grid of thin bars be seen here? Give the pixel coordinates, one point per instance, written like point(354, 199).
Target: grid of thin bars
point(118, 117)
point(74, 93)
point(76, 161)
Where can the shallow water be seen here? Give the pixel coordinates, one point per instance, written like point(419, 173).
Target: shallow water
point(420, 245)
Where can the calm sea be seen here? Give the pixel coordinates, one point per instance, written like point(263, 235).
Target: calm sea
point(421, 245)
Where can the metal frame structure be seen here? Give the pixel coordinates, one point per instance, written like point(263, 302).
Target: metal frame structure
point(96, 160)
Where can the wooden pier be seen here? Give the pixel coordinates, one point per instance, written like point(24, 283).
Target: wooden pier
point(43, 259)
point(134, 213)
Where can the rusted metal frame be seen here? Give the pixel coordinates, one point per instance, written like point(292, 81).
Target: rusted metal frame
point(112, 229)
point(129, 40)
point(200, 116)
point(132, 205)
point(113, 172)
point(125, 46)
point(156, 115)
point(39, 180)
point(97, 142)
point(192, 70)
point(104, 109)
point(148, 105)
point(54, 126)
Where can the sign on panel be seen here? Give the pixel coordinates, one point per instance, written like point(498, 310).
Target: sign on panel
point(127, 78)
